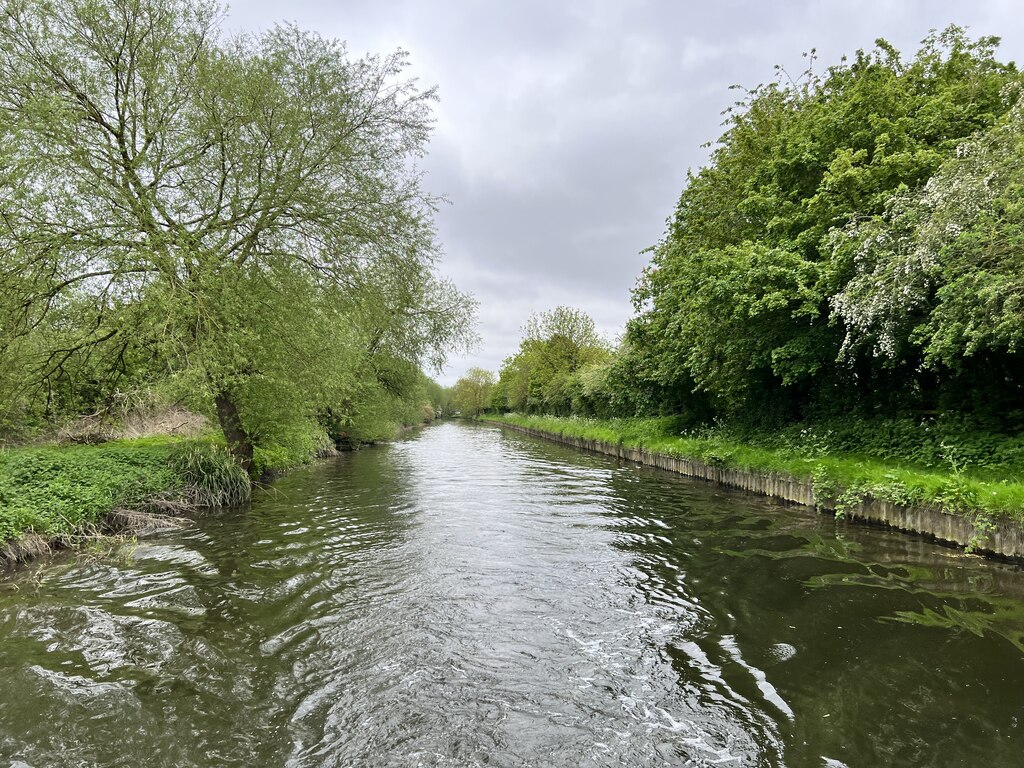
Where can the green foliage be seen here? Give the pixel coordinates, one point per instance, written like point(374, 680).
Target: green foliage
point(545, 374)
point(263, 235)
point(939, 274)
point(209, 476)
point(838, 295)
point(848, 228)
point(438, 397)
point(984, 526)
point(472, 394)
point(929, 442)
point(376, 409)
point(61, 492)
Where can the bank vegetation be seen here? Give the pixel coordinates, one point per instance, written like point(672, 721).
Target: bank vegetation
point(233, 226)
point(839, 292)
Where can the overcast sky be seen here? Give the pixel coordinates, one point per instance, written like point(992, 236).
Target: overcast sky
point(565, 129)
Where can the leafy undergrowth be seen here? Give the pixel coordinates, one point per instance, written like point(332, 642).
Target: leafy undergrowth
point(978, 490)
point(61, 492)
point(292, 446)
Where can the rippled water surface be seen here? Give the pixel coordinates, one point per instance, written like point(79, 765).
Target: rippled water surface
point(470, 597)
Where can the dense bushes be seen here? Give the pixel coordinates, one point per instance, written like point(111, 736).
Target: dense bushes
point(852, 247)
point(839, 295)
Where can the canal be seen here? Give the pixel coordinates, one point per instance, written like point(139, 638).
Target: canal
point(472, 597)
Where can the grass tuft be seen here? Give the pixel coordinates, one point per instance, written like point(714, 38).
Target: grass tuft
point(208, 476)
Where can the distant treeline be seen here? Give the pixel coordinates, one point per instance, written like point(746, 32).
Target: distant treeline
point(854, 249)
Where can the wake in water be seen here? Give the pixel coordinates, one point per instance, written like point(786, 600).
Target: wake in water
point(465, 597)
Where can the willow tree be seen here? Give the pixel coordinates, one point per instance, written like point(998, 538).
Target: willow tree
point(233, 206)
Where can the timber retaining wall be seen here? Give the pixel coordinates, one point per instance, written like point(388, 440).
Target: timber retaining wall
point(1006, 539)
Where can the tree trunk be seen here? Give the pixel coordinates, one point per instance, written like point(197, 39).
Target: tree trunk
point(239, 442)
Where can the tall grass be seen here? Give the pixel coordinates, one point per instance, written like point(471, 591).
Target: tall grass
point(208, 476)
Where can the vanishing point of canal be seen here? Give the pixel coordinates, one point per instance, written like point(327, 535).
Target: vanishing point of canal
point(471, 597)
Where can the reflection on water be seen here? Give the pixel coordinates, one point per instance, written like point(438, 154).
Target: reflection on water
point(470, 597)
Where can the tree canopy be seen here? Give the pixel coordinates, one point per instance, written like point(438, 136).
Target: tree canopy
point(851, 250)
point(240, 214)
point(850, 242)
point(544, 375)
point(471, 394)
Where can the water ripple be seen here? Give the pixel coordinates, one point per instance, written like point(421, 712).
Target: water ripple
point(468, 597)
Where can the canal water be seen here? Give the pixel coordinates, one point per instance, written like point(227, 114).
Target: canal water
point(472, 597)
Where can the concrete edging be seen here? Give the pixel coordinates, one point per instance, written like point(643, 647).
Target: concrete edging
point(1005, 540)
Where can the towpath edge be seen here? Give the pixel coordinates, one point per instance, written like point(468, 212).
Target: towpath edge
point(1005, 538)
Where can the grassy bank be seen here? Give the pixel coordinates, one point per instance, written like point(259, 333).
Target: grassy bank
point(982, 493)
point(60, 495)
point(56, 495)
